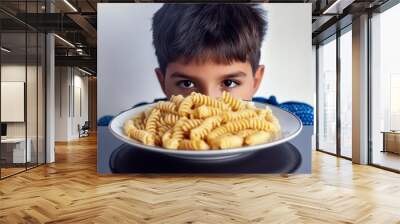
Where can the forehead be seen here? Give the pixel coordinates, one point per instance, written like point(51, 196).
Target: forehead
point(208, 68)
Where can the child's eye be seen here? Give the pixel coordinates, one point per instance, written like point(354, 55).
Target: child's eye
point(186, 84)
point(230, 83)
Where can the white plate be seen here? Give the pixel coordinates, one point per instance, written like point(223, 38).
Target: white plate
point(290, 127)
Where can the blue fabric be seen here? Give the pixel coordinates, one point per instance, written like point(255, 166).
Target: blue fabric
point(105, 120)
point(303, 111)
point(271, 100)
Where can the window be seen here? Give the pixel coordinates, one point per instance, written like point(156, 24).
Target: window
point(22, 77)
point(334, 106)
point(346, 93)
point(327, 96)
point(385, 89)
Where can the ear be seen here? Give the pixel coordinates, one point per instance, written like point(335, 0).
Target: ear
point(161, 79)
point(258, 76)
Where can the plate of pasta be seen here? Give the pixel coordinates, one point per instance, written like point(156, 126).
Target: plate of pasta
point(199, 127)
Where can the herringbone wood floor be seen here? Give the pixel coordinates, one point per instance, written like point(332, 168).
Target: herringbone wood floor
point(70, 191)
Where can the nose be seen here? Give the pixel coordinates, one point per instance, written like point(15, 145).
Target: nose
point(211, 91)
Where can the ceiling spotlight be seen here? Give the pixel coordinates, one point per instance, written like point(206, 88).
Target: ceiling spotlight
point(65, 41)
point(79, 51)
point(70, 5)
point(84, 71)
point(337, 7)
point(5, 50)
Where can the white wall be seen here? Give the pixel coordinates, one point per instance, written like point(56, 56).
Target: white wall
point(287, 54)
point(66, 119)
point(80, 83)
point(126, 58)
point(61, 103)
point(17, 72)
point(314, 73)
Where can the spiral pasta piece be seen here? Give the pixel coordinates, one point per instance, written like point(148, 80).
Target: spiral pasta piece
point(161, 130)
point(237, 125)
point(177, 132)
point(232, 127)
point(262, 125)
point(202, 130)
point(235, 104)
point(195, 144)
point(204, 111)
point(170, 119)
point(199, 99)
point(168, 107)
point(246, 132)
point(151, 123)
point(128, 126)
point(216, 133)
point(171, 143)
point(263, 112)
point(190, 124)
point(157, 140)
point(247, 113)
point(185, 106)
point(160, 122)
point(146, 115)
point(178, 125)
point(141, 135)
point(271, 118)
point(177, 99)
point(214, 143)
point(258, 137)
point(250, 105)
point(138, 123)
point(167, 135)
point(229, 141)
point(140, 126)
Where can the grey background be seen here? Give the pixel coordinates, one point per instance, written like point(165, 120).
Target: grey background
point(126, 59)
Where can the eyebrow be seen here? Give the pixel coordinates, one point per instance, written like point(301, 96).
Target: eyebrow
point(229, 75)
point(235, 75)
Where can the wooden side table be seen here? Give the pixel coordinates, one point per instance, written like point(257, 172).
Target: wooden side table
point(391, 141)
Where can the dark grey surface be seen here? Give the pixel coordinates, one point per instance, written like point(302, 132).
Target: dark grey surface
point(107, 144)
point(283, 158)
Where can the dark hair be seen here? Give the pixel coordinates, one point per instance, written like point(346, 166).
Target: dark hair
point(221, 32)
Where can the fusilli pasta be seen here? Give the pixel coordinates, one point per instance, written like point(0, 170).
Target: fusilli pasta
point(199, 122)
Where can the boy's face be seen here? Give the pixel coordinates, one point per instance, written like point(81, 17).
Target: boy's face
point(210, 79)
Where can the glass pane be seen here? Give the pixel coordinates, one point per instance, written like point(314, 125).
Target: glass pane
point(327, 97)
point(13, 86)
point(41, 98)
point(31, 100)
point(385, 114)
point(346, 94)
point(31, 85)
